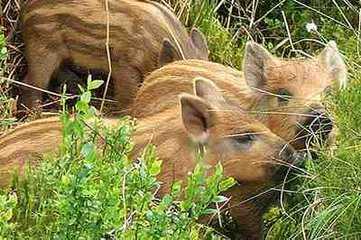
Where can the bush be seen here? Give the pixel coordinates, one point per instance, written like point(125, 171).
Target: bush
point(94, 190)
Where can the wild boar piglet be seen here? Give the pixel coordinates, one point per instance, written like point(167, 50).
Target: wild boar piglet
point(58, 33)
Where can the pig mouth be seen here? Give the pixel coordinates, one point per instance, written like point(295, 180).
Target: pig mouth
point(291, 164)
point(288, 160)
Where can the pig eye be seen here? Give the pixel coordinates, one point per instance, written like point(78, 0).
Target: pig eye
point(244, 140)
point(283, 96)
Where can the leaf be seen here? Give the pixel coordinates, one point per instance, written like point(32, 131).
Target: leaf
point(185, 205)
point(86, 96)
point(149, 215)
point(7, 215)
point(65, 180)
point(226, 184)
point(210, 211)
point(87, 149)
point(155, 168)
point(167, 200)
point(176, 187)
point(95, 84)
point(219, 170)
point(219, 199)
point(81, 106)
point(77, 128)
point(81, 88)
point(3, 51)
point(89, 80)
point(93, 111)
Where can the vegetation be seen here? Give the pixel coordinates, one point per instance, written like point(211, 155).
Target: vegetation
point(6, 104)
point(91, 192)
point(64, 199)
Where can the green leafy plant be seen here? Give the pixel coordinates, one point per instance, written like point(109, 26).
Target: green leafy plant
point(8, 202)
point(92, 189)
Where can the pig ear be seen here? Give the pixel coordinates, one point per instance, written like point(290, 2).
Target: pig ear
point(207, 90)
point(199, 41)
point(331, 58)
point(197, 117)
point(168, 53)
point(254, 66)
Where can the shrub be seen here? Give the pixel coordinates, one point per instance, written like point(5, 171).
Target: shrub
point(94, 190)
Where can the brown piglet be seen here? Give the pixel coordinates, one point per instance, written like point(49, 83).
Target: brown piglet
point(284, 94)
point(76, 33)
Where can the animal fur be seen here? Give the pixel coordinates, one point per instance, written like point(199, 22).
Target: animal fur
point(56, 32)
point(283, 94)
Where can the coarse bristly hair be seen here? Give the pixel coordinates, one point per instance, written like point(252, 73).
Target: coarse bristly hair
point(75, 33)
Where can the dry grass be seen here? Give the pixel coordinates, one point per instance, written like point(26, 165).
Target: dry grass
point(15, 64)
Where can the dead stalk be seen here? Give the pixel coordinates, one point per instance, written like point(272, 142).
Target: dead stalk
point(108, 56)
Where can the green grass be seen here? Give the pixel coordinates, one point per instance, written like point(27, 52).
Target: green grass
point(63, 199)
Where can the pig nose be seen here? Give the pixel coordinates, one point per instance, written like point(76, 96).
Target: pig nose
point(317, 125)
point(299, 158)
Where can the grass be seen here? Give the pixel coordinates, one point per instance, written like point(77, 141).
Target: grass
point(324, 204)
